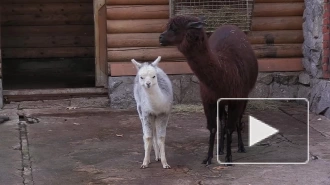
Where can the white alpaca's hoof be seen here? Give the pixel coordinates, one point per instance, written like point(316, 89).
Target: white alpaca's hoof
point(166, 166)
point(143, 166)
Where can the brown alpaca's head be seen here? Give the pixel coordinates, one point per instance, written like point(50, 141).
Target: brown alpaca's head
point(178, 28)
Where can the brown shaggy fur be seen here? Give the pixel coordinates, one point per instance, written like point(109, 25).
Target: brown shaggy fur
point(226, 67)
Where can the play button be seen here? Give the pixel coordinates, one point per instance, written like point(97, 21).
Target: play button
point(259, 131)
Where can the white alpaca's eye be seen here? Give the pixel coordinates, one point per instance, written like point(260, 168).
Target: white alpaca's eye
point(153, 76)
point(141, 77)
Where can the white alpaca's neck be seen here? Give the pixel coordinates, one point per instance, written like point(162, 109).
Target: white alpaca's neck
point(156, 99)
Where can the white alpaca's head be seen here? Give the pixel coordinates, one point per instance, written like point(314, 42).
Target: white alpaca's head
point(147, 73)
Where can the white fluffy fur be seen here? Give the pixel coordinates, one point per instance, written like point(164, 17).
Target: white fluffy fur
point(154, 96)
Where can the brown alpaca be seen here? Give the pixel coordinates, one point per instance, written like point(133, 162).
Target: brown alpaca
point(226, 67)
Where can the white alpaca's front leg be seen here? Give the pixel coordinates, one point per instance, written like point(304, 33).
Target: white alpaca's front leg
point(156, 147)
point(147, 138)
point(161, 124)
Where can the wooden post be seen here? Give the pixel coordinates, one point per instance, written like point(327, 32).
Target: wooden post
point(100, 25)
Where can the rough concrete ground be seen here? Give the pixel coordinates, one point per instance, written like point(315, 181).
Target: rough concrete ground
point(102, 146)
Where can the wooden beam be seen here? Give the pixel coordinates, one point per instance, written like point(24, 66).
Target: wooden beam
point(48, 53)
point(43, 1)
point(136, 26)
point(63, 30)
point(121, 40)
point(283, 64)
point(278, 9)
point(277, 1)
point(48, 41)
point(126, 54)
point(265, 65)
point(47, 8)
point(47, 19)
point(137, 12)
point(277, 23)
point(137, 2)
point(149, 53)
point(101, 67)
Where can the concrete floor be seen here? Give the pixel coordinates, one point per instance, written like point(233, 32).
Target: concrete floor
point(101, 146)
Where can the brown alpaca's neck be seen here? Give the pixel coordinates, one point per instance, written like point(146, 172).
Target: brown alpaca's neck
point(204, 64)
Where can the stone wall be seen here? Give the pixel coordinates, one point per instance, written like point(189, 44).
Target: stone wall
point(315, 79)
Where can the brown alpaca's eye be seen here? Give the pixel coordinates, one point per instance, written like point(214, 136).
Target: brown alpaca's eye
point(153, 76)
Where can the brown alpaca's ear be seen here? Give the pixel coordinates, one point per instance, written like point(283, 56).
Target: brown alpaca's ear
point(195, 25)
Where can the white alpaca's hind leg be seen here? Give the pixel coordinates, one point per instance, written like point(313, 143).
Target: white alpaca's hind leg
point(155, 144)
point(161, 124)
point(147, 138)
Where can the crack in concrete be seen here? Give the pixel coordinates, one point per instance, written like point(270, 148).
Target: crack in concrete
point(26, 160)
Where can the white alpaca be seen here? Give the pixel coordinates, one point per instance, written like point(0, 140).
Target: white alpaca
point(154, 96)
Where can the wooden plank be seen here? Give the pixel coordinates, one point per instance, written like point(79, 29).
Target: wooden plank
point(136, 26)
point(276, 37)
point(168, 53)
point(137, 2)
point(128, 69)
point(48, 53)
point(126, 54)
point(42, 1)
point(278, 51)
point(101, 68)
point(138, 12)
point(277, 1)
point(48, 41)
point(278, 9)
point(283, 64)
point(265, 65)
point(121, 40)
point(47, 8)
point(277, 23)
point(63, 30)
point(47, 19)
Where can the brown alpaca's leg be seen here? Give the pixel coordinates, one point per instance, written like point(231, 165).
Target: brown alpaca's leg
point(211, 114)
point(223, 120)
point(241, 148)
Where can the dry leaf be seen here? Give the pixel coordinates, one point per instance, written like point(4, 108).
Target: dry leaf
point(70, 108)
point(219, 168)
point(119, 135)
point(76, 123)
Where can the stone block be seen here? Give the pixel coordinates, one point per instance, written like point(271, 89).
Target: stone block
point(283, 91)
point(286, 78)
point(185, 89)
point(320, 97)
point(121, 92)
point(44, 104)
point(265, 78)
point(260, 90)
point(304, 78)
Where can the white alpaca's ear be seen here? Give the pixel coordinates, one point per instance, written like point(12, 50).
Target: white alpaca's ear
point(136, 64)
point(155, 63)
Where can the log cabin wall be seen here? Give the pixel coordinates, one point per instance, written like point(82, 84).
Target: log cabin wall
point(44, 29)
point(133, 28)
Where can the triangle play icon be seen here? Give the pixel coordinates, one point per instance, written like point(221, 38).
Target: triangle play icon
point(259, 131)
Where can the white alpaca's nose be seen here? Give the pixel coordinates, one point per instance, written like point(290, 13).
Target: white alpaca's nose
point(148, 84)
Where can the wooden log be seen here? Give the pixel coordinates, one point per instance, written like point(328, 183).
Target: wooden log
point(138, 12)
point(136, 26)
point(43, 1)
point(63, 30)
point(137, 2)
point(143, 54)
point(47, 8)
point(133, 40)
point(276, 37)
point(277, 1)
point(170, 53)
point(278, 51)
point(48, 53)
point(172, 68)
point(280, 64)
point(48, 41)
point(277, 23)
point(47, 19)
point(122, 40)
point(278, 9)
